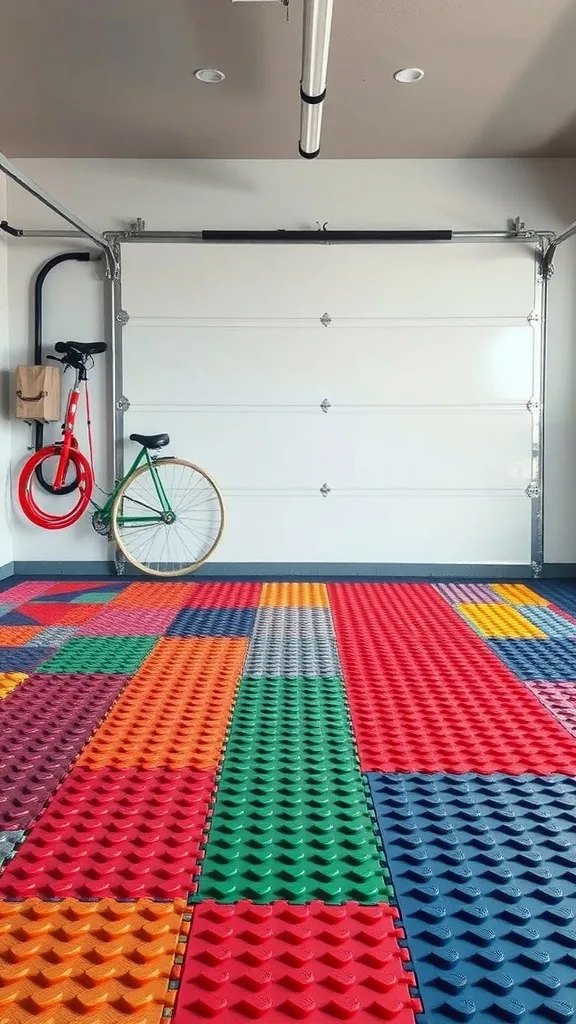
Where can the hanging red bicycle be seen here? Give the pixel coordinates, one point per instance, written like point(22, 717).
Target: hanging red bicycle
point(68, 458)
point(165, 515)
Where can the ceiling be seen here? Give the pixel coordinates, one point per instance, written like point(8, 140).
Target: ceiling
point(114, 78)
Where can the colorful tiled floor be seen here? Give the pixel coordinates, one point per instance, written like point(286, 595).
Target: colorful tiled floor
point(237, 802)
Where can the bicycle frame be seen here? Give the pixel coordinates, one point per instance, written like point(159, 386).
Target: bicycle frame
point(68, 432)
point(106, 510)
point(69, 441)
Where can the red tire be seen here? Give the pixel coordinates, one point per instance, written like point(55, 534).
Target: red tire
point(85, 485)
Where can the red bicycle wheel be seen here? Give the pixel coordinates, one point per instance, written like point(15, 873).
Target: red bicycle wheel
point(33, 511)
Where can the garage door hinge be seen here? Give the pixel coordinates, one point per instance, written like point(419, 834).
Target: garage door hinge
point(122, 317)
point(325, 319)
point(533, 405)
point(123, 404)
point(533, 317)
point(325, 405)
point(325, 490)
point(533, 491)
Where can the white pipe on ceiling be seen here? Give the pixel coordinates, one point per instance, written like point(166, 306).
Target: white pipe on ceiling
point(316, 26)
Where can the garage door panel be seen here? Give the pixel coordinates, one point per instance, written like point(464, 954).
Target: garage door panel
point(401, 529)
point(253, 449)
point(427, 364)
point(429, 448)
point(305, 280)
point(355, 365)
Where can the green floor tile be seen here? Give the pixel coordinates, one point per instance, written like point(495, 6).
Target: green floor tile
point(122, 654)
point(95, 597)
point(292, 817)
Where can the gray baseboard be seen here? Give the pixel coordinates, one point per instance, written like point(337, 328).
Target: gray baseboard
point(309, 570)
point(559, 571)
point(6, 570)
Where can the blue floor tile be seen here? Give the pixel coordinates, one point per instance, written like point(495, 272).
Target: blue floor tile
point(23, 659)
point(531, 660)
point(484, 869)
point(213, 622)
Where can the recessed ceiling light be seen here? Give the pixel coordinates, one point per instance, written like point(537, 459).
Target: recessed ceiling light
point(209, 75)
point(408, 75)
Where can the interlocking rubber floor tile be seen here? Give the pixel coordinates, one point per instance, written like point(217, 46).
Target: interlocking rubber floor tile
point(154, 595)
point(44, 723)
point(283, 963)
point(518, 593)
point(500, 620)
point(291, 642)
point(175, 711)
point(533, 660)
point(103, 963)
point(305, 623)
point(484, 872)
point(102, 597)
point(17, 636)
point(129, 622)
point(53, 636)
point(555, 624)
point(9, 681)
point(5, 609)
point(213, 622)
point(23, 659)
point(291, 594)
point(225, 594)
point(59, 614)
point(291, 818)
point(467, 593)
point(560, 700)
point(75, 587)
point(122, 654)
point(563, 595)
point(26, 591)
point(123, 833)
point(426, 693)
point(8, 843)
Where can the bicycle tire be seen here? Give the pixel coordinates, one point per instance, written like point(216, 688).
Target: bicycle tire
point(117, 537)
point(28, 504)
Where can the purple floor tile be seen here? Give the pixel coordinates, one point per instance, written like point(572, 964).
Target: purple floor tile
point(468, 593)
point(44, 724)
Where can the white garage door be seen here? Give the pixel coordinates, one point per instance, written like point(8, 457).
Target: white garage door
point(396, 433)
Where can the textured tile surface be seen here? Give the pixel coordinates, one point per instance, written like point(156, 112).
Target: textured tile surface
point(427, 694)
point(44, 723)
point(484, 872)
point(8, 844)
point(213, 622)
point(102, 962)
point(283, 963)
point(291, 818)
point(531, 660)
point(224, 594)
point(307, 594)
point(500, 620)
point(123, 833)
point(101, 654)
point(175, 710)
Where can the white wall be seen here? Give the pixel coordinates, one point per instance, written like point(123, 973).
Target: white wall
point(458, 194)
point(6, 545)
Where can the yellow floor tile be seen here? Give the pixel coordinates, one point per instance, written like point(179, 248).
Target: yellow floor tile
point(302, 595)
point(518, 593)
point(500, 621)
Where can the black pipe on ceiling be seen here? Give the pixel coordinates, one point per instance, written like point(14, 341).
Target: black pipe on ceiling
point(326, 236)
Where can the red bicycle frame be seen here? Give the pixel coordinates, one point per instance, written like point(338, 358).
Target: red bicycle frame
point(69, 441)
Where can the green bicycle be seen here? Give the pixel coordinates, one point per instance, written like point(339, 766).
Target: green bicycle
point(166, 515)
